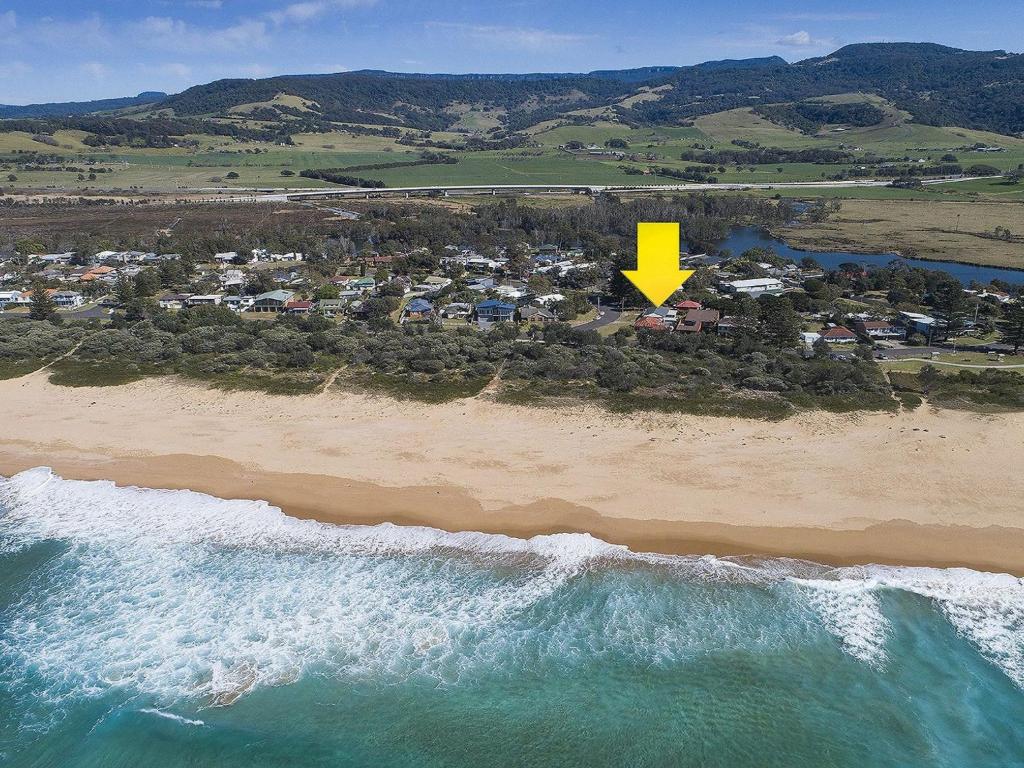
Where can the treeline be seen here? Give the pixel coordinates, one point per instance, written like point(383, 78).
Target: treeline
point(151, 132)
point(811, 116)
point(750, 154)
point(427, 158)
point(335, 176)
point(694, 173)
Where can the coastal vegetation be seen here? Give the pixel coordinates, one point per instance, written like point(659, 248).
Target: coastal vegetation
point(760, 367)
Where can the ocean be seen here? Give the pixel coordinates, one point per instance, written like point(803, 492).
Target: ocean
point(169, 628)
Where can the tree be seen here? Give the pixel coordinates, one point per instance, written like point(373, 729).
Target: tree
point(780, 324)
point(620, 287)
point(951, 305)
point(43, 306)
point(231, 175)
point(124, 289)
point(1011, 325)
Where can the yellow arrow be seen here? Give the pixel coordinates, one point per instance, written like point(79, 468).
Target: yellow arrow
point(657, 275)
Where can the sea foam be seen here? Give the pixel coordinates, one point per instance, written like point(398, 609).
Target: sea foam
point(181, 595)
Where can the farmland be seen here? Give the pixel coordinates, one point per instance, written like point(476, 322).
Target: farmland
point(203, 161)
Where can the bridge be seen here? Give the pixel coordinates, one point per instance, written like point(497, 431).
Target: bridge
point(447, 190)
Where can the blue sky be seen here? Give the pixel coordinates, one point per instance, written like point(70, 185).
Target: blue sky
point(53, 50)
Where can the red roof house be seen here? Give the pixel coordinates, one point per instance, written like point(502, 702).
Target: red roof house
point(839, 334)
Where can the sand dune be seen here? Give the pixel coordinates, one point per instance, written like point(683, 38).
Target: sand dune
point(929, 487)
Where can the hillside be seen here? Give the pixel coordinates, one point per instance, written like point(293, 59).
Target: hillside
point(69, 108)
point(936, 85)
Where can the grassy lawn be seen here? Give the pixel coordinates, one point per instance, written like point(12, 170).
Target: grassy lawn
point(951, 361)
point(626, 320)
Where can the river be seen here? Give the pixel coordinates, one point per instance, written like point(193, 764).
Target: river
point(743, 238)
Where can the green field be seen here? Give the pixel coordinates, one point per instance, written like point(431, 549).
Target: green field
point(206, 162)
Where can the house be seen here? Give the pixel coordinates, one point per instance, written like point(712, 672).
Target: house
point(481, 284)
point(686, 306)
point(879, 329)
point(238, 303)
point(361, 284)
point(418, 309)
point(511, 292)
point(431, 286)
point(809, 338)
point(272, 301)
point(210, 299)
point(9, 297)
point(228, 257)
point(663, 314)
point(97, 273)
point(494, 311)
point(297, 307)
point(457, 310)
point(331, 307)
point(650, 323)
point(232, 279)
point(173, 300)
point(918, 323)
point(549, 298)
point(839, 334)
point(67, 299)
point(537, 315)
point(699, 321)
point(53, 258)
point(758, 286)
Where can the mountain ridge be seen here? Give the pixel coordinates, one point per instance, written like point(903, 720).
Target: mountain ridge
point(938, 85)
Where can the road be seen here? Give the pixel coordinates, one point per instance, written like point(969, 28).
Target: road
point(590, 189)
point(607, 316)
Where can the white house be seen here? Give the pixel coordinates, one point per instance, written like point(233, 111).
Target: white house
point(923, 324)
point(208, 299)
point(9, 297)
point(68, 299)
point(173, 300)
point(225, 258)
point(239, 303)
point(232, 278)
point(755, 287)
point(53, 258)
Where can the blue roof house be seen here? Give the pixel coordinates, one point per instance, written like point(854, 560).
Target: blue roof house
point(418, 309)
point(494, 311)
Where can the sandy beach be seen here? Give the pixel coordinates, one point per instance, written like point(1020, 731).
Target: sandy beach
point(939, 488)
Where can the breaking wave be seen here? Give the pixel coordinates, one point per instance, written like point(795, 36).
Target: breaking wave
point(177, 595)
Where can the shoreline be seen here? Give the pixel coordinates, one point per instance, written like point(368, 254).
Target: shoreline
point(894, 542)
point(839, 490)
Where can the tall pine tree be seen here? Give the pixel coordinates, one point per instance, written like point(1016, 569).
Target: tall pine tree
point(1011, 325)
point(43, 306)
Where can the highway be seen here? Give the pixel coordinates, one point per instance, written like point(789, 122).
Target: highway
point(587, 189)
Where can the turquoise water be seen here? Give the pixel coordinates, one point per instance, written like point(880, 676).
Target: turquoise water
point(159, 628)
point(744, 238)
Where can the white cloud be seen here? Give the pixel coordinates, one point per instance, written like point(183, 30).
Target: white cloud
point(803, 39)
point(310, 9)
point(210, 5)
point(850, 16)
point(170, 34)
point(514, 38)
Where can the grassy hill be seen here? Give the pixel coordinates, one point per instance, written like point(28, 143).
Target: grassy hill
point(860, 111)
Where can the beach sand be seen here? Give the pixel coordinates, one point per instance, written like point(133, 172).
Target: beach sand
point(941, 488)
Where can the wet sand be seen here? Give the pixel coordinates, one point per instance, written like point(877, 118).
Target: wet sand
point(925, 488)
